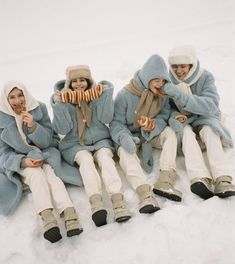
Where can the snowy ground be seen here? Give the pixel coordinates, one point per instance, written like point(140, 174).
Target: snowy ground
point(39, 39)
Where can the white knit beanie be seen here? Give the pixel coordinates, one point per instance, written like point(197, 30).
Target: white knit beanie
point(75, 72)
point(183, 55)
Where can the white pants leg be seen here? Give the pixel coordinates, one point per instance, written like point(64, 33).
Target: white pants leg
point(219, 164)
point(59, 194)
point(89, 173)
point(109, 173)
point(194, 161)
point(36, 180)
point(46, 187)
point(167, 141)
point(130, 164)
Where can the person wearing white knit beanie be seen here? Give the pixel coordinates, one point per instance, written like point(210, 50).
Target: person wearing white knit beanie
point(196, 119)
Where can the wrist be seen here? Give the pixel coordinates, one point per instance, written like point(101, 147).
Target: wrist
point(32, 127)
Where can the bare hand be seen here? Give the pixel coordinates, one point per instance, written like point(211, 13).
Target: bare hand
point(31, 163)
point(28, 119)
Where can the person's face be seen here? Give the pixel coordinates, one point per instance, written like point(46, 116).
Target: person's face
point(156, 84)
point(16, 100)
point(79, 84)
point(181, 70)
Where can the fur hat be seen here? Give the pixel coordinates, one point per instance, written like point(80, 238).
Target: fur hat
point(78, 71)
point(183, 55)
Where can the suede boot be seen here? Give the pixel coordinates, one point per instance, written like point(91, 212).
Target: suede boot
point(99, 214)
point(224, 187)
point(121, 213)
point(165, 186)
point(202, 187)
point(148, 203)
point(72, 224)
point(52, 231)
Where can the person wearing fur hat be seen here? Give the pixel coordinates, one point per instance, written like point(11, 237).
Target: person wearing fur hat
point(27, 155)
point(140, 119)
point(196, 115)
point(82, 111)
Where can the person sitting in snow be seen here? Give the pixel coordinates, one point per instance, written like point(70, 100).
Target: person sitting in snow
point(27, 155)
point(140, 119)
point(196, 115)
point(82, 111)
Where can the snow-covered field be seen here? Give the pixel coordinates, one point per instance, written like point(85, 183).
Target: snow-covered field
point(39, 39)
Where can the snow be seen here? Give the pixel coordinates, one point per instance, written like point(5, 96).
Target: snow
point(39, 39)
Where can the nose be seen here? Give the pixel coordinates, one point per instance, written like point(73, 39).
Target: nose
point(178, 70)
point(18, 101)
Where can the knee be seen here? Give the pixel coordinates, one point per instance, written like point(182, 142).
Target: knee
point(206, 130)
point(126, 156)
point(104, 152)
point(169, 134)
point(36, 176)
point(83, 157)
point(188, 132)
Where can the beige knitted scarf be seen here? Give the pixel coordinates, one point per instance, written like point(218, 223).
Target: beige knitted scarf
point(83, 114)
point(149, 104)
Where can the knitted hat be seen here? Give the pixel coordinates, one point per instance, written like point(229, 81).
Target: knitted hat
point(183, 55)
point(75, 72)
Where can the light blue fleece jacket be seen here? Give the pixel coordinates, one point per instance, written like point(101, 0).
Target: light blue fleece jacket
point(13, 149)
point(96, 136)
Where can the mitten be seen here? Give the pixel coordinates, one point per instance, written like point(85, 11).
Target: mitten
point(136, 140)
point(147, 158)
point(57, 97)
point(34, 155)
point(170, 89)
point(128, 143)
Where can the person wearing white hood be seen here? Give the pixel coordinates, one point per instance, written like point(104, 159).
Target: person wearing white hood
point(196, 119)
point(27, 152)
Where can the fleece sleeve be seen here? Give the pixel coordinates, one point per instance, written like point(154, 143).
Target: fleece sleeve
point(62, 122)
point(206, 103)
point(105, 104)
point(118, 127)
point(42, 135)
point(9, 159)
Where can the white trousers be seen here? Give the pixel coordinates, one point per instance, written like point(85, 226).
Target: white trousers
point(91, 178)
point(194, 161)
point(130, 163)
point(47, 189)
point(166, 141)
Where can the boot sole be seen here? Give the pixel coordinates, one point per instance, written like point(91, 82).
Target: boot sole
point(225, 194)
point(74, 232)
point(100, 217)
point(169, 196)
point(148, 209)
point(200, 189)
point(53, 235)
point(123, 219)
